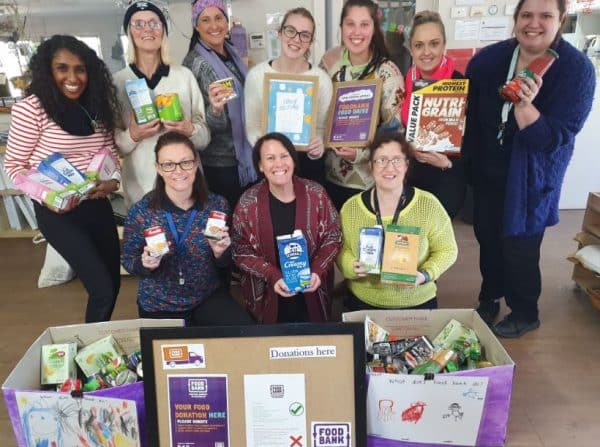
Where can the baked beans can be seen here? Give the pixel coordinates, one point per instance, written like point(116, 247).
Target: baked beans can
point(156, 240)
point(217, 220)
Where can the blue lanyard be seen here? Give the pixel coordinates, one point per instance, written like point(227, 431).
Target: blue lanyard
point(177, 237)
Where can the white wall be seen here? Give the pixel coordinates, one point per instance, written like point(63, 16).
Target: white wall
point(106, 26)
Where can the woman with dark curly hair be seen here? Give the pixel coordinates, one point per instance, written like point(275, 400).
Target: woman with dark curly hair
point(70, 109)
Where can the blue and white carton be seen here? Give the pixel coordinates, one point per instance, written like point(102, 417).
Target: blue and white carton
point(370, 245)
point(293, 257)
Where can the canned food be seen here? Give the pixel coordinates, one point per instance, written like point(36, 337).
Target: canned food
point(217, 220)
point(156, 240)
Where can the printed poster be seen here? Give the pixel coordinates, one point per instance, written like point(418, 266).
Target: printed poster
point(291, 104)
point(355, 113)
point(198, 410)
point(445, 410)
point(275, 410)
point(57, 419)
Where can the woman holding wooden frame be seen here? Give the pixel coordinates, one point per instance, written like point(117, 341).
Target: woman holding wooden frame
point(296, 35)
point(362, 56)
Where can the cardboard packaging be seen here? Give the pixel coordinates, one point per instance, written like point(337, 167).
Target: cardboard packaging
point(436, 117)
point(141, 100)
point(492, 425)
point(370, 244)
point(102, 167)
point(45, 190)
point(24, 380)
point(58, 363)
point(169, 107)
point(60, 170)
point(400, 255)
point(293, 256)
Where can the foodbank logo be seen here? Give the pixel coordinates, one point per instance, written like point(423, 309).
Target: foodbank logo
point(293, 250)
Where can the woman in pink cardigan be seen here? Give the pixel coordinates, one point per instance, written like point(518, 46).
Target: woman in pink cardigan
point(278, 205)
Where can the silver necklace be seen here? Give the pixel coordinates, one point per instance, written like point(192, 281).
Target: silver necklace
point(93, 122)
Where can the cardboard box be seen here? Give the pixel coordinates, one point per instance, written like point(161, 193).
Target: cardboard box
point(494, 415)
point(25, 377)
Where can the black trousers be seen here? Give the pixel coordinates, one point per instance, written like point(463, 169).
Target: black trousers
point(219, 309)
point(87, 238)
point(224, 181)
point(509, 265)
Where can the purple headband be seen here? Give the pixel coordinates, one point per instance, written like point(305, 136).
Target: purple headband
point(201, 5)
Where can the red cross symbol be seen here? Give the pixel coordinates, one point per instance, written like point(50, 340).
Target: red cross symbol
point(296, 441)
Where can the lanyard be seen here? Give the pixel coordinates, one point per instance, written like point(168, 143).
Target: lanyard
point(399, 207)
point(180, 238)
point(507, 106)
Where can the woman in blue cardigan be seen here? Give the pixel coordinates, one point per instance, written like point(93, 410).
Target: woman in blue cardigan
point(518, 155)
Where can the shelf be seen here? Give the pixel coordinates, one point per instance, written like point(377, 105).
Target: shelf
point(8, 233)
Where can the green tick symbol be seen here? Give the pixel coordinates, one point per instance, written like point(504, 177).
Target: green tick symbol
point(296, 409)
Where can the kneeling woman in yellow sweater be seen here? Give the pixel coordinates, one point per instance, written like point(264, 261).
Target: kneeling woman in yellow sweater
point(392, 201)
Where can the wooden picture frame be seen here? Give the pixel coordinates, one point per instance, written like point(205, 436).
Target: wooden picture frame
point(217, 385)
point(290, 106)
point(354, 113)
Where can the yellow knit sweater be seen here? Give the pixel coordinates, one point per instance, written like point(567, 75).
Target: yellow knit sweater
point(437, 250)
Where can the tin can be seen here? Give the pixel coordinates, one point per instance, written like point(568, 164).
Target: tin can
point(140, 370)
point(539, 66)
point(125, 377)
point(217, 220)
point(156, 240)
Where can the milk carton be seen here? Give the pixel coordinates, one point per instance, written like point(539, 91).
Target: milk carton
point(370, 244)
point(102, 167)
point(45, 190)
point(58, 363)
point(293, 257)
point(141, 100)
point(62, 171)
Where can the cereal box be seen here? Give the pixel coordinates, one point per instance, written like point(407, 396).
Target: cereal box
point(58, 363)
point(400, 255)
point(370, 243)
point(141, 100)
point(169, 107)
point(436, 117)
point(293, 256)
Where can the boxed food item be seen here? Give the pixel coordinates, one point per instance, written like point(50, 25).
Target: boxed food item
point(370, 244)
point(60, 170)
point(141, 100)
point(169, 107)
point(58, 363)
point(45, 190)
point(32, 411)
point(95, 356)
point(406, 410)
point(293, 257)
point(102, 167)
point(400, 255)
point(436, 117)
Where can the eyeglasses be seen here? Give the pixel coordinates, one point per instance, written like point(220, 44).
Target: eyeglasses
point(382, 162)
point(170, 166)
point(290, 32)
point(141, 24)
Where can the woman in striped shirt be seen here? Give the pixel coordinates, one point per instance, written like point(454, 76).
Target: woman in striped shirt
point(70, 109)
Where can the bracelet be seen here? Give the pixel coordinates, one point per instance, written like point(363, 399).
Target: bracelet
point(426, 275)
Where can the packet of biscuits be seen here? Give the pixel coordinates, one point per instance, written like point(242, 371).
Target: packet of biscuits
point(228, 84)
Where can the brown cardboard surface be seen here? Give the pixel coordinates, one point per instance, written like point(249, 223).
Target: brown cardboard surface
point(329, 381)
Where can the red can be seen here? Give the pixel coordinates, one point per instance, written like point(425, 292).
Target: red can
point(217, 220)
point(156, 240)
point(539, 66)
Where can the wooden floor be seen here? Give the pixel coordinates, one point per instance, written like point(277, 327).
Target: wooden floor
point(556, 393)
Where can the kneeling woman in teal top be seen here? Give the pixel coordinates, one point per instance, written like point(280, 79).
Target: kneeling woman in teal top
point(391, 200)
